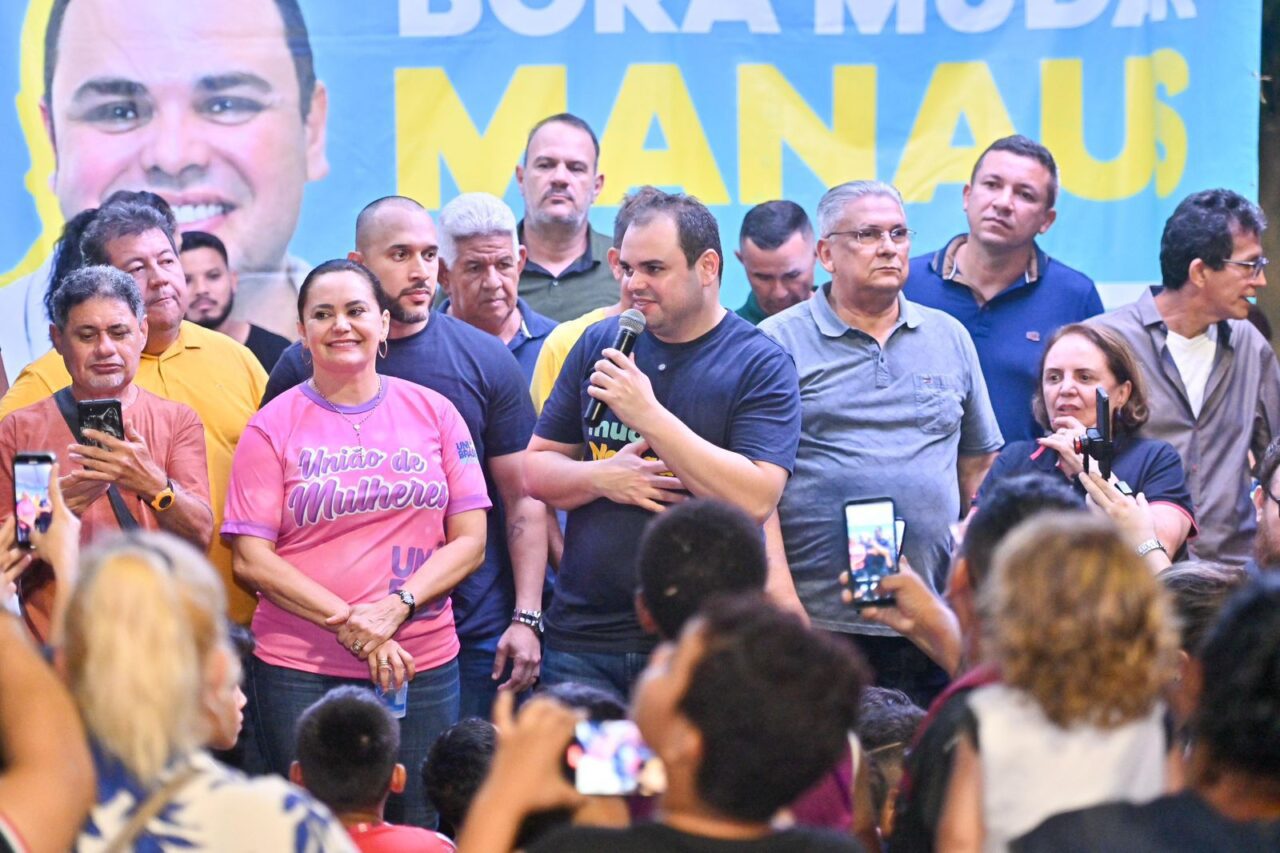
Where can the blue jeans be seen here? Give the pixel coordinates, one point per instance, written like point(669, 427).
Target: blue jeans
point(280, 695)
point(478, 690)
point(615, 672)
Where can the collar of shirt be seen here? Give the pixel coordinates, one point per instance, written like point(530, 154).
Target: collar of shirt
point(584, 263)
point(830, 324)
point(751, 310)
point(1150, 317)
point(944, 264)
point(185, 341)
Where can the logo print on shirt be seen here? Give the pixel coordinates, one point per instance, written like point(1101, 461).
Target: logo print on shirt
point(466, 451)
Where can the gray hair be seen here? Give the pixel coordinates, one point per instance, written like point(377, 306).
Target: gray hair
point(79, 286)
point(474, 215)
point(832, 206)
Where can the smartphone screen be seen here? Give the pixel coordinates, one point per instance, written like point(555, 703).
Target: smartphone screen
point(102, 415)
point(609, 758)
point(31, 506)
point(872, 532)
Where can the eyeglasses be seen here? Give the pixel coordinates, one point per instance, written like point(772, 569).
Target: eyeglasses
point(872, 236)
point(1255, 267)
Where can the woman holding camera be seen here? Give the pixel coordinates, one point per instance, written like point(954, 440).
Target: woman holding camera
point(356, 505)
point(1078, 360)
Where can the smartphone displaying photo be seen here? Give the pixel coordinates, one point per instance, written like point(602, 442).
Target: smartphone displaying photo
point(31, 505)
point(102, 415)
point(609, 758)
point(871, 529)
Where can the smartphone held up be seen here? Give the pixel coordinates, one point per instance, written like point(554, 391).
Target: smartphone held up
point(873, 533)
point(32, 506)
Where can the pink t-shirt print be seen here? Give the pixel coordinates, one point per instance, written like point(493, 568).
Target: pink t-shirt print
point(357, 520)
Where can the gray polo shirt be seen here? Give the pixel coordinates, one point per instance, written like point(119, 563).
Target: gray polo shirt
point(877, 422)
point(1241, 412)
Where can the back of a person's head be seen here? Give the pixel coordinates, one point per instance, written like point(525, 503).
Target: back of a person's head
point(1199, 589)
point(887, 717)
point(773, 702)
point(141, 625)
point(347, 742)
point(1005, 504)
point(693, 551)
point(455, 767)
point(1074, 618)
point(1238, 720)
point(598, 704)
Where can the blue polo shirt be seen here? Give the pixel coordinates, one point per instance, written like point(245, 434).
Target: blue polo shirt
point(1009, 331)
point(529, 338)
point(1146, 465)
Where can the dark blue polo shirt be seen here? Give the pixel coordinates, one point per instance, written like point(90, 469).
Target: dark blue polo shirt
point(1146, 465)
point(1008, 331)
point(529, 338)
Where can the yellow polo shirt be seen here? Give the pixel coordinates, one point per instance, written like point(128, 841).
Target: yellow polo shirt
point(555, 349)
point(209, 372)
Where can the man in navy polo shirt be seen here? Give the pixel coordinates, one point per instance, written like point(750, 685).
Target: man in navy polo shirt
point(997, 282)
point(707, 405)
point(496, 608)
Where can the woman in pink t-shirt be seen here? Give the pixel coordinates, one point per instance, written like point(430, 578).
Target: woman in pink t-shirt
point(356, 504)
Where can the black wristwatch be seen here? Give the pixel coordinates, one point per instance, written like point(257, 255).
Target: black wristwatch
point(409, 601)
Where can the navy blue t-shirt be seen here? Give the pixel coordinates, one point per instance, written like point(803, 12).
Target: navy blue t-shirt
point(476, 373)
point(733, 386)
point(1146, 465)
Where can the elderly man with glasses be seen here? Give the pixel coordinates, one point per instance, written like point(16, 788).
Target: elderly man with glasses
point(894, 406)
point(1213, 385)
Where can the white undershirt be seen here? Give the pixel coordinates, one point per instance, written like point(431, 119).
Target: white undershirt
point(1194, 359)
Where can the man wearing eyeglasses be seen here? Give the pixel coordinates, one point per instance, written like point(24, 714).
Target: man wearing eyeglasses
point(1213, 386)
point(999, 284)
point(893, 405)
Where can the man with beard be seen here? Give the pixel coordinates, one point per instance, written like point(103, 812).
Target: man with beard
point(565, 275)
point(211, 285)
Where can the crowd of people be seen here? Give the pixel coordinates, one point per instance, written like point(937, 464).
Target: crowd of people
point(334, 539)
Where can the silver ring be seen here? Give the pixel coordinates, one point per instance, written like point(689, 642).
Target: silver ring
point(357, 645)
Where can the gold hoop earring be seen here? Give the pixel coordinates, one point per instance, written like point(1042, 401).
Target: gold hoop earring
point(382, 348)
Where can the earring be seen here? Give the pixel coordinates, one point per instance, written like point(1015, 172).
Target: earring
point(306, 356)
point(382, 348)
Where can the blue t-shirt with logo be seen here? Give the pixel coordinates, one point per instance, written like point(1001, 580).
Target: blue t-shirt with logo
point(732, 386)
point(474, 371)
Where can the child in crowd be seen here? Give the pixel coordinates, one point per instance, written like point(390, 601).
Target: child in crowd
point(346, 758)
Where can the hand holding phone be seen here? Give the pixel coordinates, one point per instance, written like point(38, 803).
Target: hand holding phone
point(103, 415)
point(610, 759)
point(32, 504)
point(871, 532)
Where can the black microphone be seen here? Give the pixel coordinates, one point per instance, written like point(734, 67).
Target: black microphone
point(630, 325)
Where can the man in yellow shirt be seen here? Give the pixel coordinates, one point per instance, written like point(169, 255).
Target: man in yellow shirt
point(217, 377)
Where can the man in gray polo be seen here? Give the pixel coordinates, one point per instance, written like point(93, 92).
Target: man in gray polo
point(1213, 386)
point(894, 405)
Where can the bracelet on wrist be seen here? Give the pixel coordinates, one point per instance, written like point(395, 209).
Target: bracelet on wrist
point(528, 618)
point(1152, 544)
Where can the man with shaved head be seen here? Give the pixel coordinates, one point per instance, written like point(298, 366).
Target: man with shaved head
point(497, 607)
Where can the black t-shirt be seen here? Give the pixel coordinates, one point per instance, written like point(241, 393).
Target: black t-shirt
point(1182, 822)
point(266, 347)
point(657, 838)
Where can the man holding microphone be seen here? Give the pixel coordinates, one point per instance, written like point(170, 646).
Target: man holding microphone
point(705, 405)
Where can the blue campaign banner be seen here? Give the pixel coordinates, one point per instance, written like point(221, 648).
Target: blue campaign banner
point(735, 101)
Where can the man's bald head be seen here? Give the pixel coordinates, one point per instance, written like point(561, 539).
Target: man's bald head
point(371, 218)
point(396, 238)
